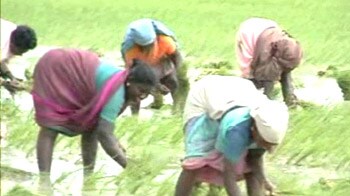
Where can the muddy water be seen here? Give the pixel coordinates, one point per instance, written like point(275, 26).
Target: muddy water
point(66, 175)
point(20, 168)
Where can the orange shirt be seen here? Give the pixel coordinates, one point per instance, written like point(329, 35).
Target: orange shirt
point(163, 46)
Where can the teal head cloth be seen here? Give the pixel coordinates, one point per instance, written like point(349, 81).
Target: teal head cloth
point(143, 32)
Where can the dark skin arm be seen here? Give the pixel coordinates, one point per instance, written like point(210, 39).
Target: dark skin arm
point(256, 179)
point(288, 88)
point(13, 85)
point(268, 64)
point(109, 142)
point(4, 70)
point(268, 88)
point(286, 84)
point(267, 69)
point(230, 179)
point(122, 109)
point(267, 85)
point(176, 58)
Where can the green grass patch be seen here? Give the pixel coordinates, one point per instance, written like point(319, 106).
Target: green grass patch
point(19, 190)
point(205, 29)
point(318, 136)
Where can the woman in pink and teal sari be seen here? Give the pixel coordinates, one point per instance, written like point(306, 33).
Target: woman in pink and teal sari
point(228, 126)
point(76, 94)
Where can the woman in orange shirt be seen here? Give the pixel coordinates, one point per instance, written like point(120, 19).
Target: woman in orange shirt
point(152, 42)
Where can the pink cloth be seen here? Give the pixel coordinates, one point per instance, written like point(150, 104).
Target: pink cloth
point(210, 168)
point(246, 39)
point(7, 28)
point(64, 89)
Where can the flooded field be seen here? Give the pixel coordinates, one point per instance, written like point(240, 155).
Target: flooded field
point(303, 166)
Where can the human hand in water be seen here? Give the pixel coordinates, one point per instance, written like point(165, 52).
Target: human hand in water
point(121, 147)
point(13, 86)
point(120, 157)
point(292, 101)
point(163, 89)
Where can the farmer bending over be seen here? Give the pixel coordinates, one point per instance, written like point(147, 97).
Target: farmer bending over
point(76, 94)
point(15, 40)
point(227, 131)
point(266, 54)
point(152, 42)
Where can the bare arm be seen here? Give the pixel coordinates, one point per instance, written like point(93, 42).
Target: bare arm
point(256, 162)
point(109, 142)
point(176, 58)
point(288, 88)
point(268, 88)
point(122, 109)
point(13, 85)
point(256, 180)
point(4, 70)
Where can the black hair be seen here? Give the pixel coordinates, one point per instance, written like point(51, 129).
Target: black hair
point(142, 73)
point(24, 37)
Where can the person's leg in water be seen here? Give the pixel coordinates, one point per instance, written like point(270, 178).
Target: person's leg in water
point(230, 179)
point(172, 83)
point(89, 150)
point(185, 183)
point(44, 148)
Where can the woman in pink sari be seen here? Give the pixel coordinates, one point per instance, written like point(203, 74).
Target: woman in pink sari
point(266, 54)
point(76, 94)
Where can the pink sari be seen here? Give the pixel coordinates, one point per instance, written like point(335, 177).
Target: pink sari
point(210, 167)
point(64, 90)
point(246, 39)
